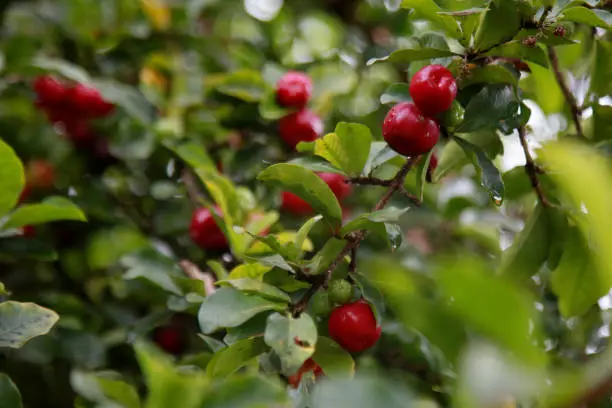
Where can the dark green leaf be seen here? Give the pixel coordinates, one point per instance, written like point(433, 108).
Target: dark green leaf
point(335, 362)
point(245, 85)
point(20, 322)
point(15, 249)
point(490, 74)
point(372, 294)
point(369, 220)
point(396, 93)
point(257, 287)
point(51, 209)
point(228, 307)
point(292, 339)
point(490, 178)
point(499, 24)
point(226, 361)
point(150, 265)
point(591, 17)
point(492, 105)
point(421, 174)
point(322, 259)
point(254, 327)
point(419, 51)
point(516, 49)
point(306, 185)
point(9, 394)
point(12, 178)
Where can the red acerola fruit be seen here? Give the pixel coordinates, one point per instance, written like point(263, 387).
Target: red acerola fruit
point(433, 163)
point(205, 232)
point(433, 89)
point(170, 339)
point(302, 126)
point(25, 193)
point(309, 365)
point(89, 101)
point(49, 90)
point(353, 326)
point(28, 231)
point(79, 132)
point(294, 204)
point(337, 184)
point(408, 131)
point(40, 174)
point(294, 89)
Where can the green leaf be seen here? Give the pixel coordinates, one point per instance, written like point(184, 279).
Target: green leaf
point(347, 148)
point(316, 164)
point(292, 339)
point(600, 79)
point(257, 287)
point(302, 235)
point(306, 185)
point(421, 48)
point(454, 157)
point(372, 295)
point(9, 394)
point(591, 17)
point(245, 85)
point(421, 174)
point(429, 10)
point(336, 362)
point(380, 153)
point(127, 97)
point(361, 392)
point(530, 248)
point(492, 306)
point(104, 388)
point(369, 221)
point(542, 87)
point(21, 322)
point(254, 327)
point(269, 109)
point(492, 105)
point(322, 259)
point(150, 265)
point(228, 360)
point(62, 67)
point(490, 178)
point(489, 74)
point(12, 178)
point(51, 209)
point(499, 24)
point(242, 391)
point(192, 153)
point(396, 93)
point(166, 385)
point(249, 270)
point(228, 307)
point(18, 249)
point(576, 281)
point(106, 247)
point(515, 49)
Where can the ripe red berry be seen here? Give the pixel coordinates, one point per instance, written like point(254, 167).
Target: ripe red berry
point(353, 326)
point(25, 193)
point(294, 204)
point(433, 163)
point(28, 231)
point(49, 90)
point(302, 126)
point(170, 339)
point(79, 132)
point(408, 131)
point(336, 183)
point(205, 232)
point(433, 89)
point(89, 101)
point(294, 89)
point(40, 174)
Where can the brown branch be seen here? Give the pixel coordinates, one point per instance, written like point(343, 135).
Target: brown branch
point(532, 169)
point(369, 181)
point(354, 238)
point(192, 271)
point(353, 265)
point(415, 200)
point(575, 110)
point(191, 185)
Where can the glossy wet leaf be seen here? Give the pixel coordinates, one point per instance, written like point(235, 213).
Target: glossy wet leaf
point(292, 339)
point(492, 105)
point(226, 361)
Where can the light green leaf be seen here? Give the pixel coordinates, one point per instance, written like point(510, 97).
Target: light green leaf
point(362, 392)
point(292, 339)
point(306, 185)
point(12, 178)
point(380, 153)
point(315, 164)
point(347, 149)
point(269, 109)
point(241, 391)
point(431, 11)
point(499, 24)
point(51, 209)
point(542, 87)
point(576, 281)
point(226, 361)
point(245, 85)
point(106, 247)
point(254, 327)
point(104, 388)
point(9, 393)
point(493, 307)
point(421, 48)
point(249, 270)
point(370, 221)
point(228, 307)
point(62, 67)
point(591, 17)
point(21, 322)
point(193, 153)
point(490, 177)
point(515, 49)
point(150, 265)
point(257, 287)
point(302, 235)
point(322, 259)
point(335, 362)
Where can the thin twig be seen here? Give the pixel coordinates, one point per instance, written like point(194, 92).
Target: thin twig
point(369, 181)
point(354, 239)
point(532, 169)
point(353, 265)
point(191, 185)
point(415, 200)
point(569, 97)
point(544, 16)
point(192, 271)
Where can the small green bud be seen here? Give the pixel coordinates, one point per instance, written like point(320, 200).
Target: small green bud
point(340, 291)
point(320, 304)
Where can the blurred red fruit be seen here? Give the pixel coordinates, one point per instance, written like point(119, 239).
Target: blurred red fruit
point(49, 90)
point(40, 174)
point(294, 89)
point(302, 126)
point(205, 232)
point(170, 339)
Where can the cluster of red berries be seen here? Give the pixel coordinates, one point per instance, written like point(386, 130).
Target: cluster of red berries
point(410, 128)
point(293, 90)
point(72, 108)
point(295, 205)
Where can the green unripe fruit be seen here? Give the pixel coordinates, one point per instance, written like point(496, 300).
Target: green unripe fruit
point(340, 291)
point(454, 116)
point(320, 304)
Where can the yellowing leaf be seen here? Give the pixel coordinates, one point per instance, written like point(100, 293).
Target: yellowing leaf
point(158, 12)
